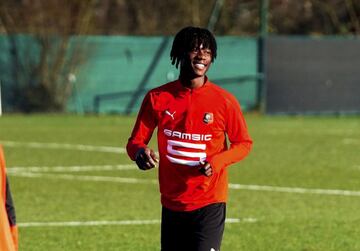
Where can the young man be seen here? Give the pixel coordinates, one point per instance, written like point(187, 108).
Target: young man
point(193, 117)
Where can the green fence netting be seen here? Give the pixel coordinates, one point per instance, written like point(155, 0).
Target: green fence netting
point(117, 71)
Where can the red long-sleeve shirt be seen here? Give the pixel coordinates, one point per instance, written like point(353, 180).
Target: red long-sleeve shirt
point(192, 127)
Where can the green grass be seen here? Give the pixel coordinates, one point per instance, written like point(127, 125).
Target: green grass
point(295, 152)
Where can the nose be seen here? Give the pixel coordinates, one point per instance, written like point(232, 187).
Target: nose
point(200, 54)
point(203, 53)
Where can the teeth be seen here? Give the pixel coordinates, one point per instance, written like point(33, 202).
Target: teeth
point(200, 66)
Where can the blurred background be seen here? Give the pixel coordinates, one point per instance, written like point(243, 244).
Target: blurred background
point(91, 56)
point(74, 186)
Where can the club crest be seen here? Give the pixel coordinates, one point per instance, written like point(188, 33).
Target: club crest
point(208, 118)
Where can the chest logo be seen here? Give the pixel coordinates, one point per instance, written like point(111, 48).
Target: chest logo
point(208, 118)
point(185, 153)
point(170, 114)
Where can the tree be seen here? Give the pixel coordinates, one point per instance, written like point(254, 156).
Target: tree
point(44, 53)
point(315, 17)
point(46, 46)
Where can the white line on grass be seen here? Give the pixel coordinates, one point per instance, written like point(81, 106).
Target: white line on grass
point(295, 190)
point(70, 168)
point(107, 149)
point(84, 178)
point(109, 223)
point(153, 181)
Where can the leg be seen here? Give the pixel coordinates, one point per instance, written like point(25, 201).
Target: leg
point(174, 231)
point(209, 227)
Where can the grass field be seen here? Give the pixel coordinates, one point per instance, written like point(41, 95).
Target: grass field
point(75, 189)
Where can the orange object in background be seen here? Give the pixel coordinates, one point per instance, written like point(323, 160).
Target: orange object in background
point(8, 234)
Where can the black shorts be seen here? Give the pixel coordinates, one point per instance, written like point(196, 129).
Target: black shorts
point(198, 230)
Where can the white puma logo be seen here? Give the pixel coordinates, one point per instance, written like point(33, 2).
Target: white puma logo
point(171, 115)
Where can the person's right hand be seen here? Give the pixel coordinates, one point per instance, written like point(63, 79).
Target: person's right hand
point(146, 158)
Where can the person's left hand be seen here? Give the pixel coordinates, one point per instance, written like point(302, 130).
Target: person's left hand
point(206, 169)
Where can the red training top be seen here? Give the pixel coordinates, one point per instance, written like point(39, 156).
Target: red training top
point(192, 127)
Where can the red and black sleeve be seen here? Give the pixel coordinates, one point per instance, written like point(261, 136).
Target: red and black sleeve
point(145, 124)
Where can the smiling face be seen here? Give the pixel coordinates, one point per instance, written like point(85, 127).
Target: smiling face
point(200, 59)
point(194, 49)
point(197, 62)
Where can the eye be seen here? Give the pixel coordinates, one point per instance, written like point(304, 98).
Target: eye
point(207, 52)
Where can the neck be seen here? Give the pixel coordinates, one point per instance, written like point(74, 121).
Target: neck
point(192, 83)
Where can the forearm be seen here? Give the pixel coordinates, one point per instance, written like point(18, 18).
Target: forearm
point(235, 153)
point(143, 128)
point(10, 209)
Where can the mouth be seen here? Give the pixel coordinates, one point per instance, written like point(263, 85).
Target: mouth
point(200, 66)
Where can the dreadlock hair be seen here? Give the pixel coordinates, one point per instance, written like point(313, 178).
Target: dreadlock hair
point(189, 38)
